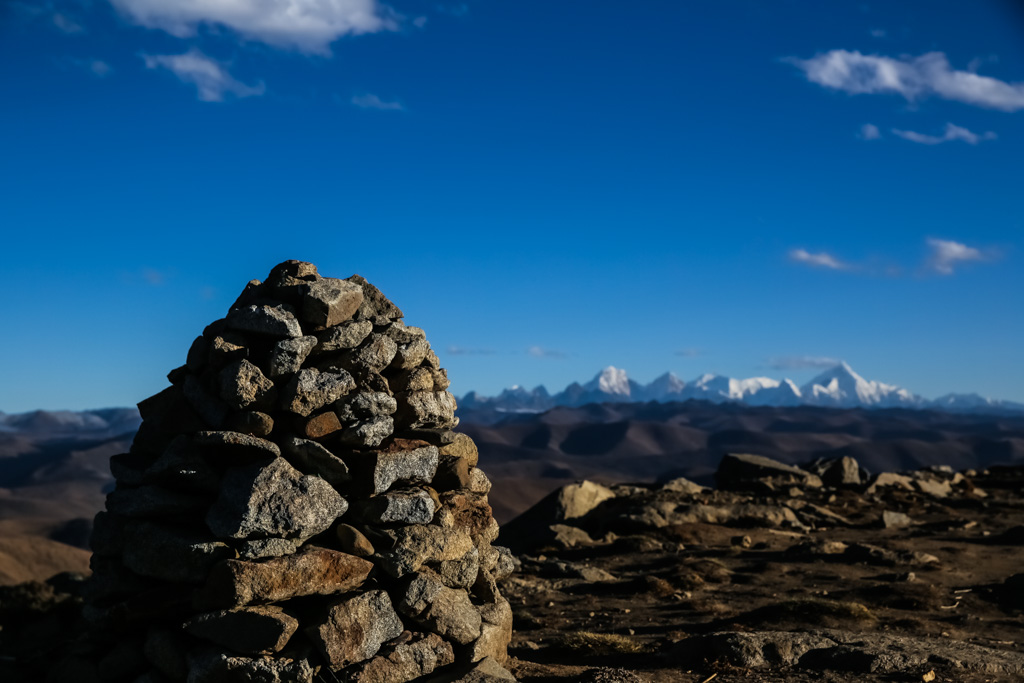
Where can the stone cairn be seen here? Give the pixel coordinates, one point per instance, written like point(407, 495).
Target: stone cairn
point(296, 506)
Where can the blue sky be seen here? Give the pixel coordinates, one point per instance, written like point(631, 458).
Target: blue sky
point(546, 188)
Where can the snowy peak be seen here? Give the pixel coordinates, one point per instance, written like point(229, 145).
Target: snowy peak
point(837, 387)
point(611, 381)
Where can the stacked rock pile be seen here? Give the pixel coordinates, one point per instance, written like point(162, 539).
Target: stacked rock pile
point(296, 506)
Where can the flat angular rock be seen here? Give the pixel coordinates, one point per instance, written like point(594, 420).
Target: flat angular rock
point(402, 461)
point(354, 628)
point(410, 355)
point(268, 321)
point(895, 520)
point(844, 471)
point(363, 405)
point(273, 500)
point(469, 511)
point(407, 659)
point(343, 337)
point(245, 445)
point(462, 446)
point(487, 670)
point(452, 473)
point(242, 385)
point(739, 470)
point(576, 500)
point(214, 666)
point(418, 544)
point(427, 409)
point(368, 434)
point(684, 486)
point(442, 610)
point(148, 546)
point(405, 334)
point(313, 571)
point(266, 547)
point(246, 630)
point(396, 507)
point(288, 355)
point(311, 457)
point(311, 390)
point(375, 354)
point(209, 408)
point(460, 573)
point(375, 306)
point(328, 302)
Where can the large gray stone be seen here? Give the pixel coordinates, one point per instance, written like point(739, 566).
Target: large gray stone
point(246, 630)
point(259, 548)
point(311, 457)
point(343, 337)
point(415, 545)
point(743, 470)
point(328, 302)
point(235, 443)
point(401, 461)
point(274, 500)
point(208, 665)
point(410, 355)
point(404, 334)
point(243, 384)
point(368, 434)
point(354, 628)
point(375, 306)
point(288, 355)
point(313, 571)
point(843, 471)
point(427, 409)
point(365, 404)
point(269, 321)
point(442, 610)
point(375, 354)
point(460, 573)
point(311, 390)
point(407, 659)
point(148, 546)
point(396, 507)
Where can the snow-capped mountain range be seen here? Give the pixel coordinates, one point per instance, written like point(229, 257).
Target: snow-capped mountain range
point(837, 387)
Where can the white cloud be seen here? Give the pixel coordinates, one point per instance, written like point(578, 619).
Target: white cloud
point(66, 23)
point(912, 77)
point(803, 362)
point(690, 352)
point(540, 352)
point(305, 25)
point(464, 351)
point(869, 131)
point(952, 132)
point(819, 260)
point(212, 80)
point(370, 101)
point(99, 68)
point(947, 255)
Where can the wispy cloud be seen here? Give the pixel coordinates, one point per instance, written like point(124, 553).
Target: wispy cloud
point(690, 352)
point(154, 277)
point(952, 132)
point(305, 25)
point(946, 255)
point(802, 362)
point(99, 68)
point(371, 101)
point(820, 259)
point(464, 351)
point(66, 24)
point(877, 33)
point(540, 352)
point(929, 75)
point(869, 131)
point(212, 80)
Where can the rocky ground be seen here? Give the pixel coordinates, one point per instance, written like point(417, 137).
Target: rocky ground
point(778, 574)
point(778, 577)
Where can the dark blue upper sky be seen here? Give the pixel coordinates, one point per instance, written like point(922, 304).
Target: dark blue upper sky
point(728, 186)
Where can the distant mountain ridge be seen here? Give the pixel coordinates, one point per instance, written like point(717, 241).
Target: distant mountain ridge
point(836, 387)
